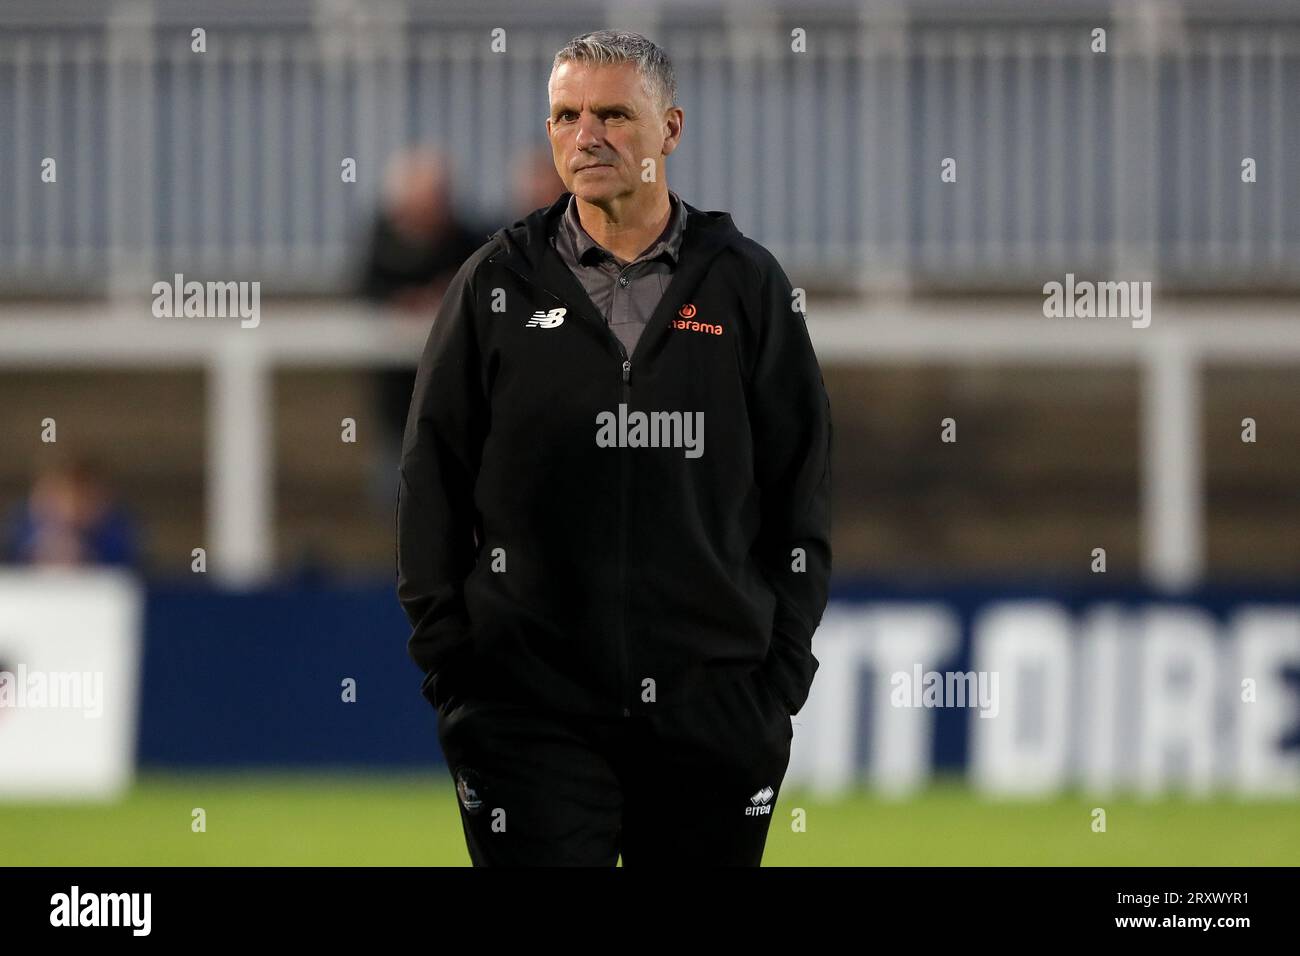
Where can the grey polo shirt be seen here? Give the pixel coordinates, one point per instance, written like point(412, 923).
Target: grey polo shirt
point(625, 293)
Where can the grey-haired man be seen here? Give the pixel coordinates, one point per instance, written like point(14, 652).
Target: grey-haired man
point(615, 630)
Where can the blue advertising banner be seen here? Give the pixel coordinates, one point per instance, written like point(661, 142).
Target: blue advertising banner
point(1024, 689)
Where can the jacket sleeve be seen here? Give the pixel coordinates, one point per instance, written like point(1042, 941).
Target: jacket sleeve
point(438, 530)
point(791, 422)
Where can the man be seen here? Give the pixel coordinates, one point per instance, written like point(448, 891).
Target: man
point(536, 183)
point(72, 516)
point(416, 243)
point(613, 506)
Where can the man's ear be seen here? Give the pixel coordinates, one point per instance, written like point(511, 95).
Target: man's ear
point(673, 117)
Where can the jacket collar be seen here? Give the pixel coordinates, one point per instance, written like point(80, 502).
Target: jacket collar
point(525, 248)
point(527, 240)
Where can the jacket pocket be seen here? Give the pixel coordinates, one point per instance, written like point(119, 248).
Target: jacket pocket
point(451, 679)
point(774, 699)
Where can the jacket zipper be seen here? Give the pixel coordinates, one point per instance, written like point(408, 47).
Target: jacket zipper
point(626, 372)
point(622, 531)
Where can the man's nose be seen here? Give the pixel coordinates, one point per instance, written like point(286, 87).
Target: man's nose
point(588, 132)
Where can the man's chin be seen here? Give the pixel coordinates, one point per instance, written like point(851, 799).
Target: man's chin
point(595, 192)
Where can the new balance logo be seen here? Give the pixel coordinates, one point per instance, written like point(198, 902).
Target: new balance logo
point(546, 320)
point(761, 803)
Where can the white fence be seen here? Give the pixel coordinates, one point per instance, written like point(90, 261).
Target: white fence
point(226, 163)
point(1170, 354)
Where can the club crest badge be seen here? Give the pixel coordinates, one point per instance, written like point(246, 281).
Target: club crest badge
point(469, 790)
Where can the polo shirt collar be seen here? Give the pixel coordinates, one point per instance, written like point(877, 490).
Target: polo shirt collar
point(669, 242)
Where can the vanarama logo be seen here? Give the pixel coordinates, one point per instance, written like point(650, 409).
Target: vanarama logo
point(688, 323)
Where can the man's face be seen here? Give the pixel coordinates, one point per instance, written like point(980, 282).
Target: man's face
point(602, 127)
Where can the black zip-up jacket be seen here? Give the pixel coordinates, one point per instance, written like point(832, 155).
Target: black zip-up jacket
point(546, 568)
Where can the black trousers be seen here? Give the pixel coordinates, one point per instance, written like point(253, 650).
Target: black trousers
point(690, 786)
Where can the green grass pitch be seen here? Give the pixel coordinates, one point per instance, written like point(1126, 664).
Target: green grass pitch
point(310, 819)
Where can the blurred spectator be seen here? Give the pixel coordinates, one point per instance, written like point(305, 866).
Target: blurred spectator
point(70, 518)
point(416, 245)
point(536, 182)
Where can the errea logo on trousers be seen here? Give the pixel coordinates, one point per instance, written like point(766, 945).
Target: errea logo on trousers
point(546, 320)
point(760, 803)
